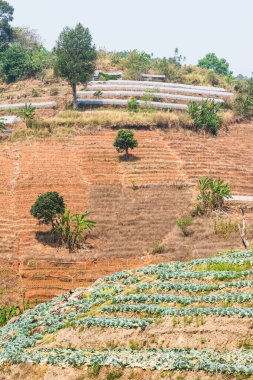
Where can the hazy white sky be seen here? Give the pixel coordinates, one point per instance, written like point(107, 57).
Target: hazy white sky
point(196, 27)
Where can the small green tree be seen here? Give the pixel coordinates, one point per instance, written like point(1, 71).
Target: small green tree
point(212, 62)
point(20, 63)
point(125, 140)
point(48, 207)
point(75, 57)
point(206, 115)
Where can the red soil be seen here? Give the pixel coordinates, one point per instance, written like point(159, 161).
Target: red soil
point(87, 171)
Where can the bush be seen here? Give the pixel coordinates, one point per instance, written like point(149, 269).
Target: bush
point(183, 223)
point(72, 229)
point(224, 228)
point(114, 375)
point(136, 63)
point(205, 115)
point(243, 105)
point(54, 91)
point(132, 105)
point(19, 63)
point(48, 207)
point(157, 249)
point(212, 193)
point(28, 115)
point(125, 140)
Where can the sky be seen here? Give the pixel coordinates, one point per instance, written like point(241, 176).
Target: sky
point(195, 27)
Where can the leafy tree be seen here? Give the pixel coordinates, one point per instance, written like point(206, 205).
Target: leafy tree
point(48, 207)
point(212, 62)
point(125, 140)
point(212, 193)
point(26, 37)
point(75, 57)
point(206, 115)
point(19, 63)
point(6, 16)
point(15, 64)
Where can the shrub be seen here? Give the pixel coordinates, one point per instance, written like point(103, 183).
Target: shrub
point(72, 229)
point(19, 63)
point(183, 223)
point(212, 193)
point(157, 249)
point(114, 375)
point(136, 63)
point(224, 228)
point(7, 312)
point(2, 125)
point(48, 207)
point(132, 105)
point(28, 115)
point(206, 115)
point(125, 140)
point(98, 93)
point(243, 105)
point(54, 91)
point(36, 93)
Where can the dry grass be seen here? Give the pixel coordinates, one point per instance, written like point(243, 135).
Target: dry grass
point(121, 118)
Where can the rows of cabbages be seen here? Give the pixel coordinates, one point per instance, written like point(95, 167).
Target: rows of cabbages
point(191, 287)
point(164, 311)
point(184, 300)
point(237, 361)
point(136, 292)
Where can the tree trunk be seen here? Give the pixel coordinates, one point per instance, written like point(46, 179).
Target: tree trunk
point(74, 96)
point(243, 229)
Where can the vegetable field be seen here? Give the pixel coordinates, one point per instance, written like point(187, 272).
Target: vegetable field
point(137, 301)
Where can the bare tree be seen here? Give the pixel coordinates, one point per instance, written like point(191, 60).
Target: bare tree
point(243, 228)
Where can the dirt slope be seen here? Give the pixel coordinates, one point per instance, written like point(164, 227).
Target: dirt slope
point(87, 171)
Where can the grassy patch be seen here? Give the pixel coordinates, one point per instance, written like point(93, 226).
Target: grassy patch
point(224, 267)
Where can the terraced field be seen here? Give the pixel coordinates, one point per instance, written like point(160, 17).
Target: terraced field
point(164, 318)
point(136, 203)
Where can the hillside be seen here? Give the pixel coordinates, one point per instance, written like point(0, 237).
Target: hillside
point(136, 203)
point(156, 320)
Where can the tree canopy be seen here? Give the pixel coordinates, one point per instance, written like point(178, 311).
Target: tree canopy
point(212, 62)
point(75, 56)
point(6, 16)
point(125, 140)
point(48, 207)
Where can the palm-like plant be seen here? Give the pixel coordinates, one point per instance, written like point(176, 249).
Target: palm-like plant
point(72, 229)
point(28, 115)
point(212, 193)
